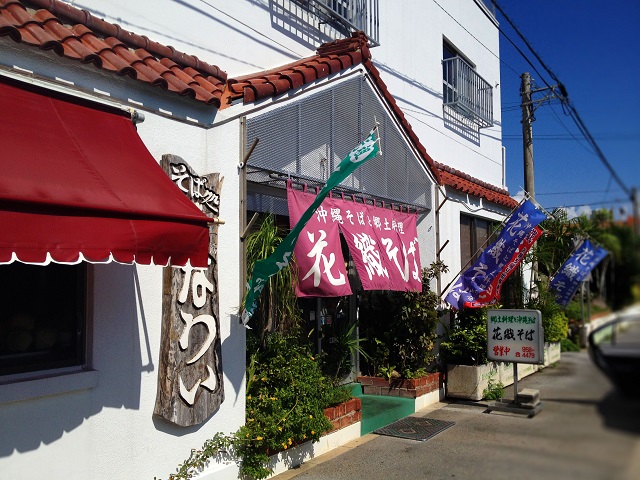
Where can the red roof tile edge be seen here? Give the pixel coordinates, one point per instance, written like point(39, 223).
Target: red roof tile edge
point(78, 35)
point(96, 24)
point(468, 184)
point(330, 58)
point(185, 74)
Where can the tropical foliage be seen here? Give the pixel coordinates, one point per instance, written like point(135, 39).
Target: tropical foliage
point(286, 397)
point(401, 328)
point(278, 309)
point(466, 339)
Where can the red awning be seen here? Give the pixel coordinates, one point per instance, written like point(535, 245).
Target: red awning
point(76, 182)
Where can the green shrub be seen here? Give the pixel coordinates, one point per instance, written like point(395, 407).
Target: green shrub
point(402, 326)
point(554, 319)
point(567, 345)
point(556, 327)
point(286, 397)
point(466, 341)
point(494, 390)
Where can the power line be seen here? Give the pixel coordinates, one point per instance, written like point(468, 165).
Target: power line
point(572, 193)
point(476, 39)
point(616, 200)
point(565, 98)
point(526, 42)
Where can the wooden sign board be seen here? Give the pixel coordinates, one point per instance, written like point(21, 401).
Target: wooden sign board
point(190, 382)
point(515, 336)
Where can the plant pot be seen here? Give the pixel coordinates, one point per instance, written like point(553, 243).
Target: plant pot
point(344, 414)
point(469, 381)
point(402, 387)
point(551, 353)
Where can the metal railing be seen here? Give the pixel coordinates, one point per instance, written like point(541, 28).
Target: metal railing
point(467, 92)
point(351, 15)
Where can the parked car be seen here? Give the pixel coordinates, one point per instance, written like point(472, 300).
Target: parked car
point(615, 348)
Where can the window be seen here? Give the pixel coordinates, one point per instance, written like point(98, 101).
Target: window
point(43, 317)
point(474, 234)
point(464, 91)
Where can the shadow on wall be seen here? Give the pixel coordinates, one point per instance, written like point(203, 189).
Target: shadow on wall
point(116, 355)
point(234, 373)
point(461, 125)
point(290, 19)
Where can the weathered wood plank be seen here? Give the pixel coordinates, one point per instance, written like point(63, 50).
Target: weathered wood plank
point(190, 381)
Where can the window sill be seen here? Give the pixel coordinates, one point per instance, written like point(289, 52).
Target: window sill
point(28, 387)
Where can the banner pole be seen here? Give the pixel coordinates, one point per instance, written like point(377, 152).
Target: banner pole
point(515, 384)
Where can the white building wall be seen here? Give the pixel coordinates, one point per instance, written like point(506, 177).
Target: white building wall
point(410, 61)
point(247, 36)
point(458, 204)
point(108, 431)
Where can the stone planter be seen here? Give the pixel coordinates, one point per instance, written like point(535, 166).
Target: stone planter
point(402, 387)
point(505, 372)
point(469, 381)
point(551, 353)
point(345, 419)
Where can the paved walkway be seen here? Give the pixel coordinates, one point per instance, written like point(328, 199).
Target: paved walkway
point(585, 431)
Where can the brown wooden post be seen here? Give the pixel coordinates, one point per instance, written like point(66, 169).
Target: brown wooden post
point(190, 381)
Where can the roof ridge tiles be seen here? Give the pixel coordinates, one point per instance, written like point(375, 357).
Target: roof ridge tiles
point(468, 177)
point(69, 12)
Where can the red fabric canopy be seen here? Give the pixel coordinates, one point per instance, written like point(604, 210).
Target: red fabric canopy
point(77, 182)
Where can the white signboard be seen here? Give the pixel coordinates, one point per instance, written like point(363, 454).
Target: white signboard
point(515, 336)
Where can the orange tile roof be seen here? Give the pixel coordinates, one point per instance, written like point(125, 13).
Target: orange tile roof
point(78, 35)
point(468, 184)
point(330, 58)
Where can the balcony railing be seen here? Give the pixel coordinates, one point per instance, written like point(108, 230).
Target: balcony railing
point(466, 92)
point(349, 15)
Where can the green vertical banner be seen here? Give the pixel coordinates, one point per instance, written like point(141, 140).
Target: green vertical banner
point(264, 269)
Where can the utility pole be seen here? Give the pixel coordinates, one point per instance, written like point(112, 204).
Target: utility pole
point(636, 213)
point(528, 109)
point(527, 133)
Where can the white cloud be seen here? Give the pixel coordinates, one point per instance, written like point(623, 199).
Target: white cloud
point(573, 212)
point(518, 196)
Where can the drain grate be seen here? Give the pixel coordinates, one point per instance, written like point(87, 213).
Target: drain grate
point(415, 428)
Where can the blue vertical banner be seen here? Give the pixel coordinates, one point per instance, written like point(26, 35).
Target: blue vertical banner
point(476, 287)
point(567, 279)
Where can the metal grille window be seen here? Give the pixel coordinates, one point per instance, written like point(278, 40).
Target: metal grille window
point(348, 15)
point(464, 90)
point(308, 139)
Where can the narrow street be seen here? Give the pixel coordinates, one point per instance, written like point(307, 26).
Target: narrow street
point(586, 430)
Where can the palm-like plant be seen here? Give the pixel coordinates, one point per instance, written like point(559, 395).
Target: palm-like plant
point(278, 307)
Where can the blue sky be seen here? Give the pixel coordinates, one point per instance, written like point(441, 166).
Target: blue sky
point(592, 47)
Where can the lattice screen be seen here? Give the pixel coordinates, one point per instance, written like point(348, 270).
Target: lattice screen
point(307, 139)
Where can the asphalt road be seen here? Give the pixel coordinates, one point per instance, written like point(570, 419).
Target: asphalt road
point(586, 430)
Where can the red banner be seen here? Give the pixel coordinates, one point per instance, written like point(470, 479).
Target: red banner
point(318, 255)
point(383, 244)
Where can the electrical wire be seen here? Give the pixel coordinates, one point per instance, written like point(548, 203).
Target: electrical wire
point(573, 113)
point(551, 74)
point(475, 38)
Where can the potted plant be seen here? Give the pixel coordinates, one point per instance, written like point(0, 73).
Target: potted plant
point(401, 332)
point(465, 353)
